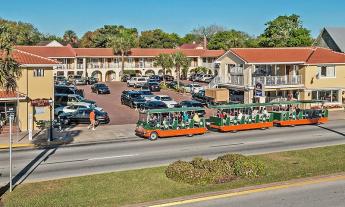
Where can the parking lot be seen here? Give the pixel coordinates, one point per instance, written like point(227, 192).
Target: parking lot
point(111, 103)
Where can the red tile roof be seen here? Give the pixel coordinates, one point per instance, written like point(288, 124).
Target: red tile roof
point(323, 55)
point(190, 46)
point(25, 58)
point(94, 52)
point(307, 55)
point(151, 52)
point(10, 95)
point(51, 52)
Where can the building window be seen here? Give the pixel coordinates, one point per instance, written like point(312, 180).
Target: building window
point(204, 60)
point(327, 71)
point(116, 60)
point(326, 95)
point(130, 60)
point(39, 72)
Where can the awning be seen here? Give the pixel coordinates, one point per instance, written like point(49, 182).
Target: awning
point(11, 96)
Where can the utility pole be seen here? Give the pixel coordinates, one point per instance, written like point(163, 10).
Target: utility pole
point(10, 145)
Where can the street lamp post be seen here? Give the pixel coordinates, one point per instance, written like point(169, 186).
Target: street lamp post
point(51, 120)
point(10, 146)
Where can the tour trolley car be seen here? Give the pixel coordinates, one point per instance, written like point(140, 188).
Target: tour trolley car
point(171, 122)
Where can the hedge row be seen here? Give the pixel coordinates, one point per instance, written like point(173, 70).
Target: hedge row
point(223, 169)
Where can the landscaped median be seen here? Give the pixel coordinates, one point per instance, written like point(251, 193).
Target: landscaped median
point(151, 184)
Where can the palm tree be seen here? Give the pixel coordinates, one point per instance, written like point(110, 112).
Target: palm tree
point(122, 43)
point(9, 68)
point(165, 61)
point(200, 69)
point(70, 37)
point(179, 61)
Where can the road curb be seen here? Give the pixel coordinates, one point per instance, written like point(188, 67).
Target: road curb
point(16, 146)
point(243, 191)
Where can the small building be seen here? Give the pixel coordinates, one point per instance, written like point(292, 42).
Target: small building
point(34, 96)
point(332, 38)
point(276, 74)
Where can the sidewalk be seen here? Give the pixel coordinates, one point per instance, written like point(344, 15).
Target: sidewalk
point(75, 135)
point(82, 135)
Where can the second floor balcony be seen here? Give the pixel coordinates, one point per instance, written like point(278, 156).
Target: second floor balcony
point(64, 66)
point(278, 80)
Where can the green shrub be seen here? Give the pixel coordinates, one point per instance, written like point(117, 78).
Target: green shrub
point(223, 169)
point(249, 168)
point(163, 85)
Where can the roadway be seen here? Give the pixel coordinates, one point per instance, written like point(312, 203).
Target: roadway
point(314, 195)
point(45, 164)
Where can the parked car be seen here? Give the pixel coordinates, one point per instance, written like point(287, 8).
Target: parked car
point(173, 85)
point(198, 77)
point(70, 99)
point(132, 99)
point(167, 100)
point(192, 77)
point(91, 80)
point(68, 89)
point(191, 103)
point(147, 95)
point(60, 79)
point(155, 78)
point(80, 81)
point(83, 116)
point(100, 88)
point(153, 86)
point(168, 78)
point(193, 88)
point(126, 77)
point(154, 105)
point(75, 107)
point(206, 77)
point(137, 82)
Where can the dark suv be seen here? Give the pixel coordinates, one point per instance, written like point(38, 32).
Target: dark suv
point(132, 99)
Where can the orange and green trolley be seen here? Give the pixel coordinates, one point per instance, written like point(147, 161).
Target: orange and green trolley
point(239, 117)
point(293, 113)
point(171, 122)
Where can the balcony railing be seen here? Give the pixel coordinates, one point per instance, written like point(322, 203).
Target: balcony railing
point(278, 80)
point(236, 71)
point(236, 79)
point(80, 66)
point(95, 65)
point(64, 67)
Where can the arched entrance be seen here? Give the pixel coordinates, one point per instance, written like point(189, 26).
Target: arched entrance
point(110, 75)
point(149, 72)
point(97, 74)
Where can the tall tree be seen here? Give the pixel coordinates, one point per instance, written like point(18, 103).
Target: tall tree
point(70, 37)
point(180, 61)
point(228, 39)
point(158, 39)
point(9, 68)
point(101, 36)
point(207, 31)
point(285, 31)
point(122, 43)
point(190, 38)
point(165, 61)
point(25, 33)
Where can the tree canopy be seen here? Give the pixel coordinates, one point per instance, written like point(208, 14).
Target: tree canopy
point(228, 39)
point(285, 31)
point(158, 39)
point(71, 38)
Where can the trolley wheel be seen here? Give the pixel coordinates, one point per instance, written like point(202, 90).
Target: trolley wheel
point(153, 136)
point(190, 135)
point(234, 131)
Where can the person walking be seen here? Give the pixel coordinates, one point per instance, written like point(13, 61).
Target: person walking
point(92, 117)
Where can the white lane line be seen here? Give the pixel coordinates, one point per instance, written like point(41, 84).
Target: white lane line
point(110, 157)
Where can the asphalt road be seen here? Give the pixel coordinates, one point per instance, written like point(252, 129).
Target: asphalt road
point(44, 164)
point(330, 194)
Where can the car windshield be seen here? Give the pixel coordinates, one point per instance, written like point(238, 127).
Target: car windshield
point(166, 98)
point(196, 85)
point(146, 92)
point(141, 79)
point(102, 86)
point(135, 95)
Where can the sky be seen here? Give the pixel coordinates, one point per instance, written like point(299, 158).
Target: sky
point(179, 16)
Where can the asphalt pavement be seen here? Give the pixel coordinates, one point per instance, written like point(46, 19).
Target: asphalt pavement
point(45, 164)
point(325, 194)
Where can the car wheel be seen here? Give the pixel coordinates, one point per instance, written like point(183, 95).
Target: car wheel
point(153, 136)
point(66, 122)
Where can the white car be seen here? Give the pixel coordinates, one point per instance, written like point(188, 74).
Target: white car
point(137, 82)
point(167, 100)
point(75, 107)
point(193, 88)
point(206, 77)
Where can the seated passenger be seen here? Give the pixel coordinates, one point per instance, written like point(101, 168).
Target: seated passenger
point(196, 118)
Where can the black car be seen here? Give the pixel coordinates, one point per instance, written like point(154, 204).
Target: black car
point(83, 116)
point(91, 80)
point(100, 88)
point(191, 103)
point(168, 78)
point(132, 99)
point(153, 86)
point(154, 105)
point(173, 84)
point(155, 78)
